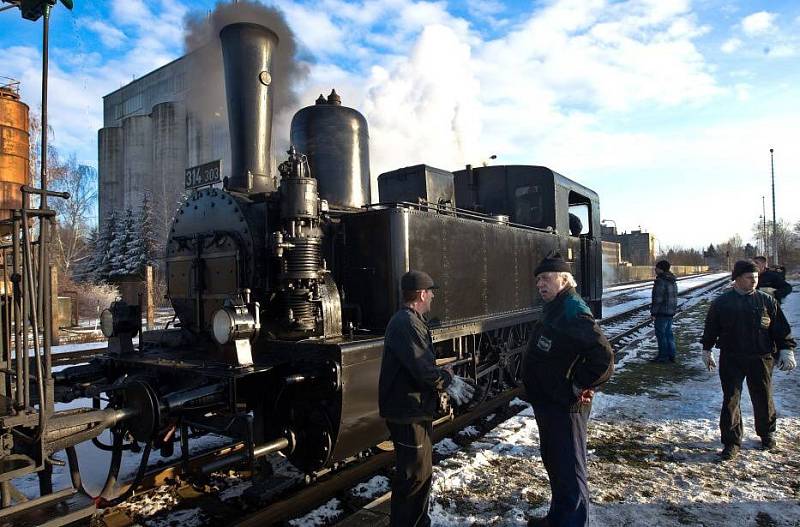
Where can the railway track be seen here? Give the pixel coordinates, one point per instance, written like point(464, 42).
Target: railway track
point(303, 496)
point(623, 325)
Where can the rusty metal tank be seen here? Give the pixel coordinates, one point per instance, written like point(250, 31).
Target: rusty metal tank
point(336, 140)
point(14, 150)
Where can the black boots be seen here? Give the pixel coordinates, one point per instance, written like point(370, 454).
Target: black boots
point(729, 452)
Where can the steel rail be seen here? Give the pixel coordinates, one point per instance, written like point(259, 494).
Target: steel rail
point(616, 340)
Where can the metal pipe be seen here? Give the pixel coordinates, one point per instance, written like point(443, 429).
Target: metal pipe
point(259, 451)
point(66, 423)
point(28, 265)
point(177, 400)
point(19, 395)
point(5, 330)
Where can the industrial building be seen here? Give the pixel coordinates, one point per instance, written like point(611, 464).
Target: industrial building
point(636, 247)
point(150, 135)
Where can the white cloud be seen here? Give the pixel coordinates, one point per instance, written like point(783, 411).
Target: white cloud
point(109, 35)
point(758, 23)
point(731, 45)
point(425, 108)
point(742, 91)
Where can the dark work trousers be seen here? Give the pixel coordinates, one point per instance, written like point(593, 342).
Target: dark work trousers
point(666, 341)
point(562, 438)
point(411, 486)
point(757, 369)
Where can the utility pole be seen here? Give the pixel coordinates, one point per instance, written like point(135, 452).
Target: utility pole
point(774, 218)
point(764, 224)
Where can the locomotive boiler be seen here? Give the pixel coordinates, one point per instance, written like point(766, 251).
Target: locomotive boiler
point(282, 285)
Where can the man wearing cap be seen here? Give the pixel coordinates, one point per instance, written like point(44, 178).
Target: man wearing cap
point(750, 330)
point(771, 281)
point(408, 396)
point(567, 358)
point(662, 308)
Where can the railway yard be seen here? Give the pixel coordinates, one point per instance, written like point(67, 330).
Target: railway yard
point(226, 300)
point(652, 451)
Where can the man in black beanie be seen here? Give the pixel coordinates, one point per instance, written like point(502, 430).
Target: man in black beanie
point(567, 358)
point(750, 330)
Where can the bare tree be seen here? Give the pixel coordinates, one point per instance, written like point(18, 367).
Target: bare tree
point(70, 235)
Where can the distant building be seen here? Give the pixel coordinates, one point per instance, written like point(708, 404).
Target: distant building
point(637, 247)
point(149, 138)
point(612, 253)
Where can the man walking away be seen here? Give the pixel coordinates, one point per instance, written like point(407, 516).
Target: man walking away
point(408, 398)
point(567, 358)
point(662, 309)
point(771, 281)
point(751, 332)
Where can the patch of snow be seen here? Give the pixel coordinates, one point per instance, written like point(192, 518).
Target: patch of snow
point(445, 447)
point(376, 486)
point(321, 515)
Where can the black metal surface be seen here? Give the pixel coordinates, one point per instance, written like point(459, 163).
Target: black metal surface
point(247, 51)
point(230, 228)
point(483, 268)
point(409, 184)
point(336, 140)
point(60, 508)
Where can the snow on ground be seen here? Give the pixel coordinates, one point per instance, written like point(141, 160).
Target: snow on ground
point(372, 488)
point(653, 442)
point(625, 300)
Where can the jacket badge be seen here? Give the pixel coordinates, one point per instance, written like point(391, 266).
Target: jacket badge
point(544, 343)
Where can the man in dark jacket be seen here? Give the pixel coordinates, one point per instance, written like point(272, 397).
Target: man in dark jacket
point(567, 358)
point(408, 396)
point(750, 330)
point(771, 281)
point(662, 309)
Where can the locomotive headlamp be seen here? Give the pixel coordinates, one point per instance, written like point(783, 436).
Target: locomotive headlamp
point(120, 323)
point(107, 323)
point(233, 322)
point(120, 319)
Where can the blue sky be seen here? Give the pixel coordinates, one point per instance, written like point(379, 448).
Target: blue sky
point(667, 108)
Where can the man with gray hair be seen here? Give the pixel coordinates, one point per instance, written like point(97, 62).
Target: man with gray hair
point(567, 358)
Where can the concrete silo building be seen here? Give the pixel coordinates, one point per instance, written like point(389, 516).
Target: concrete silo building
point(151, 133)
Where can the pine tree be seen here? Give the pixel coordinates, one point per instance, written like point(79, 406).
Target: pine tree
point(83, 269)
point(119, 249)
point(100, 266)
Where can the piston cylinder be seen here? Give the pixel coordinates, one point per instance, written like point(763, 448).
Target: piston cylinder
point(14, 151)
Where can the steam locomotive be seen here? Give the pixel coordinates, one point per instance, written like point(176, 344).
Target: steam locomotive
point(282, 288)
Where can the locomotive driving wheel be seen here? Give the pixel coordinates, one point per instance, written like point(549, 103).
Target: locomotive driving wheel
point(314, 435)
point(511, 357)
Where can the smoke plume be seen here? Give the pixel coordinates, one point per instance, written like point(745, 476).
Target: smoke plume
point(206, 77)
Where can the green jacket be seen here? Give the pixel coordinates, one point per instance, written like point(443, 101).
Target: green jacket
point(567, 348)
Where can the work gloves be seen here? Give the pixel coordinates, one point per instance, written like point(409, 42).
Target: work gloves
point(460, 390)
point(786, 360)
point(708, 358)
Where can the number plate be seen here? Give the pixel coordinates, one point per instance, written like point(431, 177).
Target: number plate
point(201, 175)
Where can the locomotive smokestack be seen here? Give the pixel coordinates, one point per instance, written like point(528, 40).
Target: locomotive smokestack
point(247, 51)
